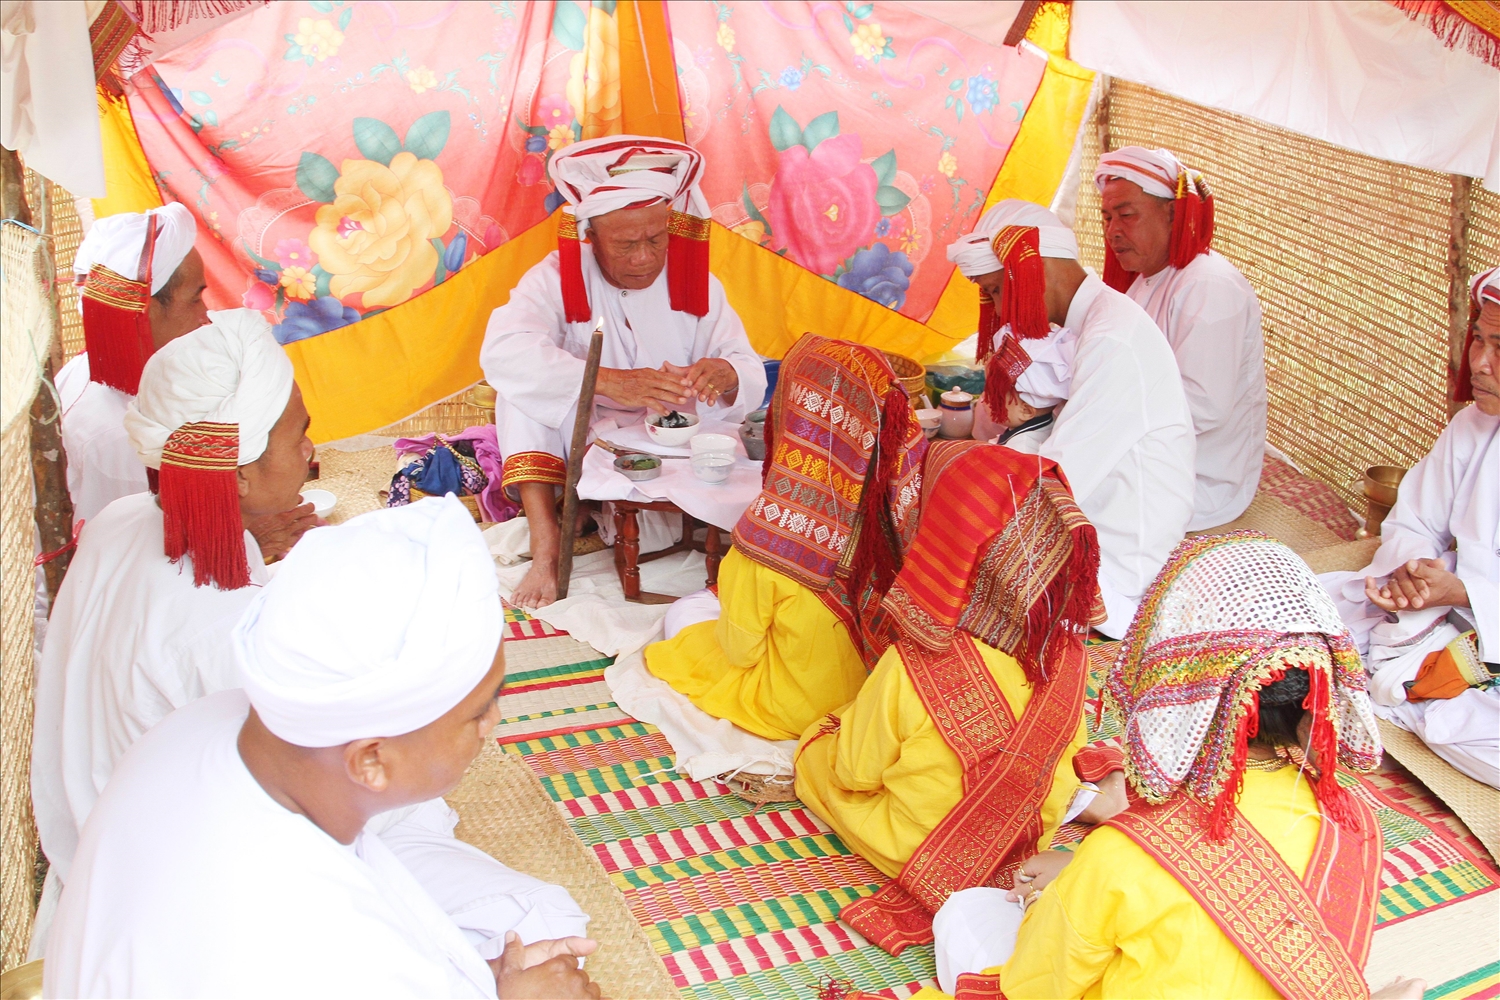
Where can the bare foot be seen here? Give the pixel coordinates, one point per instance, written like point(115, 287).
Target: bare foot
point(538, 588)
point(1110, 801)
point(1401, 989)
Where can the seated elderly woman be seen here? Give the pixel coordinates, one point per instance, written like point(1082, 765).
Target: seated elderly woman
point(814, 553)
point(1242, 694)
point(965, 740)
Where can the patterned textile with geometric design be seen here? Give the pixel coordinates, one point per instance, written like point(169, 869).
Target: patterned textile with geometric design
point(742, 901)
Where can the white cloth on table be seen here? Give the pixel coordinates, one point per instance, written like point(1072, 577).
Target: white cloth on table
point(191, 880)
point(1211, 317)
point(974, 930)
point(535, 359)
point(102, 463)
point(1125, 441)
point(719, 504)
point(1451, 498)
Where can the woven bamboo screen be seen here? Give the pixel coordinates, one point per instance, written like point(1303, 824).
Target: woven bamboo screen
point(1482, 237)
point(66, 229)
point(1350, 258)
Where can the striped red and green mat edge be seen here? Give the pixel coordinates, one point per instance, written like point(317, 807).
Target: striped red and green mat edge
point(743, 901)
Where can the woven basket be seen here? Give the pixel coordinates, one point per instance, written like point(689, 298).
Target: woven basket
point(913, 378)
point(761, 789)
point(472, 503)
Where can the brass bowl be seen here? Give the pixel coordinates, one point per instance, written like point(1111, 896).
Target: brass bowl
point(1380, 483)
point(482, 396)
point(24, 982)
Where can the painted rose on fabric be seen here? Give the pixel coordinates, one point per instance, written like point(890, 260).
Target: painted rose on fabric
point(879, 274)
point(822, 205)
point(594, 73)
point(375, 239)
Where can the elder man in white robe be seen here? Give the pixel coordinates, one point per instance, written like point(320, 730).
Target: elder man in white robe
point(1124, 435)
point(1158, 227)
point(231, 854)
point(124, 286)
point(633, 257)
point(1435, 580)
point(142, 622)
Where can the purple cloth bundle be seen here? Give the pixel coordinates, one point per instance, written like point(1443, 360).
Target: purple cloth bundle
point(493, 503)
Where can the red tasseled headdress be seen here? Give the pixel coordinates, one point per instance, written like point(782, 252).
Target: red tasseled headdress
point(200, 503)
point(1023, 307)
point(1192, 229)
point(687, 265)
point(117, 323)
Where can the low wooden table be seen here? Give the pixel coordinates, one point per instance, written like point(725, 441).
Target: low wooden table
point(628, 556)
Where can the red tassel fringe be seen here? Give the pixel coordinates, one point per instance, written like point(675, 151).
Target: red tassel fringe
point(687, 264)
point(877, 553)
point(201, 519)
point(1115, 275)
point(1192, 226)
point(1453, 29)
point(989, 325)
point(1023, 299)
point(1463, 386)
point(575, 293)
point(118, 343)
point(1069, 599)
point(1004, 369)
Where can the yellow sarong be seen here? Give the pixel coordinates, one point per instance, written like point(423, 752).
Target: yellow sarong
point(885, 778)
point(776, 660)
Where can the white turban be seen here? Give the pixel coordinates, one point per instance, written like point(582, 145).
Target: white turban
point(231, 371)
point(1485, 287)
point(605, 175)
point(1049, 378)
point(372, 628)
point(975, 255)
point(116, 241)
point(1155, 170)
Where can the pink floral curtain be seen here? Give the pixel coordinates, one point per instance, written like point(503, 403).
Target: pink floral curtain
point(857, 139)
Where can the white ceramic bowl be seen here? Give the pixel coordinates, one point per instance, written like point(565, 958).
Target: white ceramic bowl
point(712, 467)
point(323, 502)
point(713, 444)
point(931, 420)
point(672, 437)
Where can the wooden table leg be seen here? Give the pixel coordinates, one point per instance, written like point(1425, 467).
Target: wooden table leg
point(711, 551)
point(629, 551)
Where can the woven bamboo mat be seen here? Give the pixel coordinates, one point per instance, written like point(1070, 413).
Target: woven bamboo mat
point(356, 478)
point(742, 901)
point(1475, 803)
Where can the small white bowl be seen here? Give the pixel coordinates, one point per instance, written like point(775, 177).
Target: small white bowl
point(713, 444)
point(930, 420)
point(713, 467)
point(323, 502)
point(672, 437)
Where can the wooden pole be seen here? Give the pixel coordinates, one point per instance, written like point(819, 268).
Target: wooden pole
point(581, 423)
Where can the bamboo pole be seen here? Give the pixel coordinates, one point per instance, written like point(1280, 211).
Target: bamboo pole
point(581, 424)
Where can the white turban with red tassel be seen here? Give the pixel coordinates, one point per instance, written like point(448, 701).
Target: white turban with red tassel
point(122, 262)
point(206, 406)
point(633, 171)
point(1161, 175)
point(1484, 289)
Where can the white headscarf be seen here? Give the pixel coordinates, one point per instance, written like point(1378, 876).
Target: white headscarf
point(1047, 381)
point(604, 175)
point(231, 371)
point(1485, 287)
point(975, 255)
point(115, 241)
point(1155, 170)
point(372, 628)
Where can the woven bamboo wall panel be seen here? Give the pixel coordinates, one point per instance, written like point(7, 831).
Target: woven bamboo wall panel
point(1348, 255)
point(67, 232)
point(1482, 237)
point(17, 622)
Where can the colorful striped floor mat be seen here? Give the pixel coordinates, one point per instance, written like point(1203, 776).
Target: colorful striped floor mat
point(742, 902)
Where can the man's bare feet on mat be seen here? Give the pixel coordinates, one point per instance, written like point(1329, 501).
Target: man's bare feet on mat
point(538, 588)
point(1401, 989)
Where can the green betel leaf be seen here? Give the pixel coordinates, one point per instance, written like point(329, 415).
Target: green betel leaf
point(316, 176)
point(891, 200)
point(569, 24)
point(428, 135)
point(825, 126)
point(376, 140)
point(785, 132)
point(885, 168)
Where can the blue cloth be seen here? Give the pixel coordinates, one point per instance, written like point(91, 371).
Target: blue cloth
point(440, 474)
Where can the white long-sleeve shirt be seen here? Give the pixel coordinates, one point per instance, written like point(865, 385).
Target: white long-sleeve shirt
point(1211, 317)
point(535, 358)
point(190, 880)
point(102, 463)
point(1124, 438)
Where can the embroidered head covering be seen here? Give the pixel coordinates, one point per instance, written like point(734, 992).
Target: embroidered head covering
point(1161, 175)
point(1040, 371)
point(1002, 553)
point(206, 406)
point(842, 472)
point(1484, 288)
point(330, 652)
point(122, 262)
point(632, 171)
point(1226, 616)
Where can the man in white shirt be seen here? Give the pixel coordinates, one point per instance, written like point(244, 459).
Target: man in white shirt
point(1158, 227)
point(143, 286)
point(632, 258)
point(1124, 436)
point(231, 853)
point(1435, 580)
